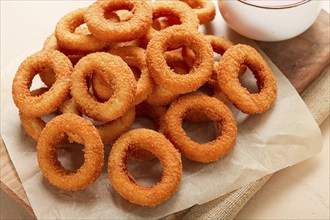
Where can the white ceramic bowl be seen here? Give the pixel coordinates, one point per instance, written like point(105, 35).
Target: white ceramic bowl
point(269, 20)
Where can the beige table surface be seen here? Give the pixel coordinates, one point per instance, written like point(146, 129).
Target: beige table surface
point(278, 199)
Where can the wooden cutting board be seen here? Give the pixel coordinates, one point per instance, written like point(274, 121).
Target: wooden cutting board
point(301, 59)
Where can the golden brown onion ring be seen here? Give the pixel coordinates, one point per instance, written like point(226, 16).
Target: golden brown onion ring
point(134, 57)
point(125, 184)
point(204, 9)
point(67, 37)
point(114, 70)
point(52, 135)
point(57, 94)
point(161, 96)
point(216, 111)
point(228, 76)
point(177, 36)
point(131, 29)
point(179, 10)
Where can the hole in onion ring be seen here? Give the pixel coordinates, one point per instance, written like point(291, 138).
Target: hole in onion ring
point(201, 132)
point(217, 56)
point(249, 81)
point(71, 156)
point(82, 29)
point(176, 62)
point(136, 71)
point(179, 68)
point(48, 79)
point(49, 117)
point(145, 172)
point(206, 90)
point(119, 13)
point(94, 122)
point(99, 88)
point(159, 23)
point(118, 16)
point(194, 4)
point(111, 16)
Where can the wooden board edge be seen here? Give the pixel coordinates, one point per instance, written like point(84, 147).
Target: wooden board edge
point(26, 206)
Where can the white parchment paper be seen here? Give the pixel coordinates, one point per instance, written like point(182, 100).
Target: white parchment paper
point(281, 137)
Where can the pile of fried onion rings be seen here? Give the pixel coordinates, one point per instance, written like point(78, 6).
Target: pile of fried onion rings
point(136, 59)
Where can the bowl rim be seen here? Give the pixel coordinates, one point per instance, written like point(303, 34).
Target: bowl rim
point(292, 5)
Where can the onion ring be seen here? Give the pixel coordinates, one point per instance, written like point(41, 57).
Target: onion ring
point(161, 96)
point(177, 36)
point(133, 56)
point(122, 82)
point(52, 135)
point(216, 111)
point(57, 94)
point(134, 28)
point(156, 114)
point(125, 184)
point(205, 10)
point(179, 10)
point(67, 37)
point(34, 125)
point(228, 73)
point(219, 46)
